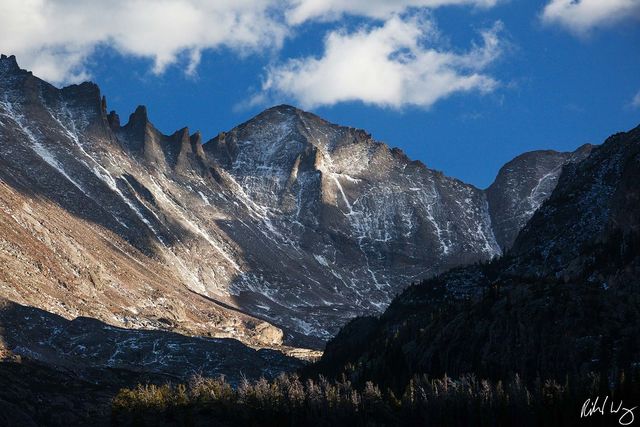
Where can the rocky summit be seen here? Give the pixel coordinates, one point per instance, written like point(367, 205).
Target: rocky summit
point(275, 232)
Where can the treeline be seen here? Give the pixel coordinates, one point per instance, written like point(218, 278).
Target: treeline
point(290, 401)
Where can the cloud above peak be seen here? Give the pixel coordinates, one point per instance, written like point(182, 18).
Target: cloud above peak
point(395, 64)
point(582, 16)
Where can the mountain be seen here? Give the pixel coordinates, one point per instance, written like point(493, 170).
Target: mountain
point(280, 230)
point(561, 303)
point(129, 256)
point(346, 212)
point(286, 218)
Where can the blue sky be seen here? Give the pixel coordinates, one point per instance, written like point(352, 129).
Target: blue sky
point(463, 85)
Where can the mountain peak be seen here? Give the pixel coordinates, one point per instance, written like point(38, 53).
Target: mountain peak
point(86, 95)
point(139, 116)
point(8, 63)
point(196, 138)
point(277, 113)
point(284, 108)
point(181, 137)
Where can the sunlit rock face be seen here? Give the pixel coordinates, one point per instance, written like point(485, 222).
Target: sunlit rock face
point(287, 218)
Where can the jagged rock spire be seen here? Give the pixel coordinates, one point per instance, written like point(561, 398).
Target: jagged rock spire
point(8, 63)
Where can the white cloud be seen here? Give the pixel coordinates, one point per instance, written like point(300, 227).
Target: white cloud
point(392, 65)
point(304, 10)
point(54, 38)
point(635, 102)
point(582, 16)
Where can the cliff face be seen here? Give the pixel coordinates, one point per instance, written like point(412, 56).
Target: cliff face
point(562, 302)
point(284, 227)
point(520, 188)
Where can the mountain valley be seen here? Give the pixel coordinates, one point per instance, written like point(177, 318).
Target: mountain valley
point(130, 256)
